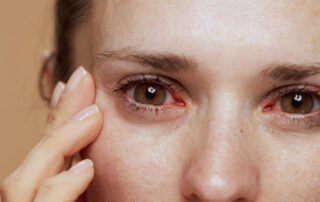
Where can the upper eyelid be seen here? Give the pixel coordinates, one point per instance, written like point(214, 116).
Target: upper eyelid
point(298, 88)
point(128, 81)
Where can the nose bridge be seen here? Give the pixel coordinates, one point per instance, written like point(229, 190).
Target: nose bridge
point(221, 168)
point(224, 139)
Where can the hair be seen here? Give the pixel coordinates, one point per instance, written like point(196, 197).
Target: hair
point(69, 14)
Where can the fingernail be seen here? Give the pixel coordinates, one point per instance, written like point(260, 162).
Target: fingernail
point(85, 113)
point(81, 166)
point(75, 79)
point(58, 90)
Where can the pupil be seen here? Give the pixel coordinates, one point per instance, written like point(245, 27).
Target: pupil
point(151, 92)
point(297, 101)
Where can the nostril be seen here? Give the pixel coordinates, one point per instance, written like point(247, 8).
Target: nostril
point(240, 200)
point(193, 198)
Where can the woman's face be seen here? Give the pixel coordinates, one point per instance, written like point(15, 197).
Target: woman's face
point(205, 100)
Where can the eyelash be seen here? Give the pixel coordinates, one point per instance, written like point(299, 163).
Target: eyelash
point(127, 82)
point(170, 85)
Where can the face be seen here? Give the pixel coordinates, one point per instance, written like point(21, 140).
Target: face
point(204, 100)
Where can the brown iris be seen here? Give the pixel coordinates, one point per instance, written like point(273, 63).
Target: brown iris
point(297, 103)
point(151, 94)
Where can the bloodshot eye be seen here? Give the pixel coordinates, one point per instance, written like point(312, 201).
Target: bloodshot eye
point(293, 108)
point(295, 100)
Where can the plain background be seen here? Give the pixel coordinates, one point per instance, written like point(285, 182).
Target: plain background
point(26, 31)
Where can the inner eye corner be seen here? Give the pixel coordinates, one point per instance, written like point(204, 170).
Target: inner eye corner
point(267, 108)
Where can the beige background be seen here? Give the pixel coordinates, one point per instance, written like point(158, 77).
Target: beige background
point(25, 32)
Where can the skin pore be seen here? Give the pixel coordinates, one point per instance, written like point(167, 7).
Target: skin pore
point(223, 136)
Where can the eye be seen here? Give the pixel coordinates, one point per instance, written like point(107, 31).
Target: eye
point(298, 103)
point(148, 98)
point(301, 100)
point(152, 91)
point(293, 108)
point(150, 94)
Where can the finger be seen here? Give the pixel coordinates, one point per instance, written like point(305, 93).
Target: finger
point(57, 92)
point(67, 163)
point(68, 185)
point(71, 161)
point(47, 158)
point(79, 93)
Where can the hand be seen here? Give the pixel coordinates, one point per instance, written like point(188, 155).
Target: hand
point(43, 176)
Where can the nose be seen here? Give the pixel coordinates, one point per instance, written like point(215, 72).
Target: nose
point(221, 169)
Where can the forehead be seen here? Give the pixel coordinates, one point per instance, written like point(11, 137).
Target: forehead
point(214, 28)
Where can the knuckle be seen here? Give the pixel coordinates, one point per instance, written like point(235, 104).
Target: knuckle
point(47, 187)
point(52, 144)
point(49, 136)
point(4, 190)
point(7, 186)
point(54, 116)
point(50, 147)
point(53, 137)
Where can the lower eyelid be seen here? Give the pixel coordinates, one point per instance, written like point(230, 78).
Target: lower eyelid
point(295, 122)
point(135, 111)
point(292, 122)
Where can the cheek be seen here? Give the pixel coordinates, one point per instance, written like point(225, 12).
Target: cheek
point(135, 160)
point(290, 169)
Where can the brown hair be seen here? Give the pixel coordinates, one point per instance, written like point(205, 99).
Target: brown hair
point(68, 15)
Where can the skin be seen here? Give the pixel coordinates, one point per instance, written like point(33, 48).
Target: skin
point(222, 146)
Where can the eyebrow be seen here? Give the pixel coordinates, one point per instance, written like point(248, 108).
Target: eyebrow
point(290, 72)
point(161, 61)
point(168, 62)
